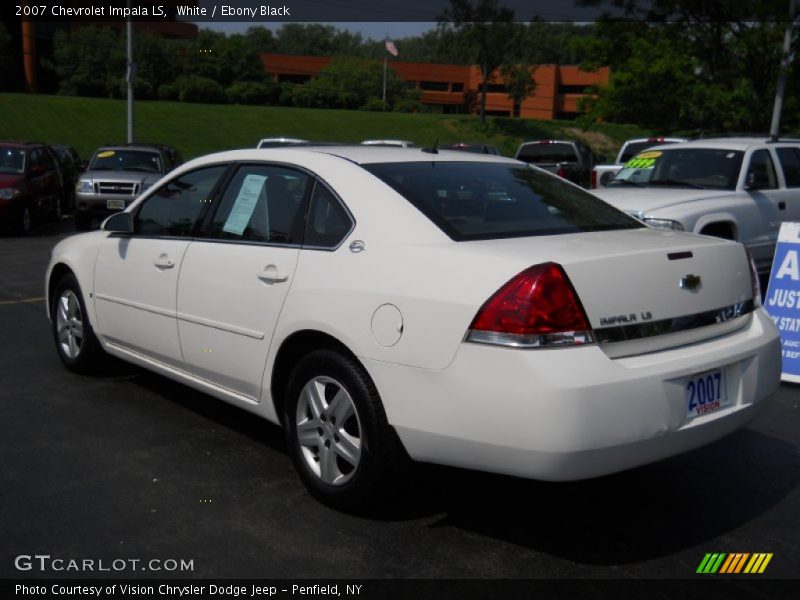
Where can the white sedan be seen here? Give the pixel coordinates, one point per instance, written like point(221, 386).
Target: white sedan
point(388, 303)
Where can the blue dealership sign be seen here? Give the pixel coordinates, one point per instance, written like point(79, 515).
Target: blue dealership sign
point(783, 298)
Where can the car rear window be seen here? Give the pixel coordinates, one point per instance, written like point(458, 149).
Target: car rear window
point(480, 201)
point(545, 152)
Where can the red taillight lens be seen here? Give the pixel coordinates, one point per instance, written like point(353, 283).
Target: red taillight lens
point(536, 308)
point(561, 172)
point(593, 182)
point(754, 280)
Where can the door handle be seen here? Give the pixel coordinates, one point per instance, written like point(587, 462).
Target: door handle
point(164, 262)
point(271, 274)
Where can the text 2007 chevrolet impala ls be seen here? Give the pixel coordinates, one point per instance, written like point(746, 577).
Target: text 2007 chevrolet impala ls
point(382, 303)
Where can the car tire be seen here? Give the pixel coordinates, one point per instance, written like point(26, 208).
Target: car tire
point(57, 211)
point(82, 222)
point(74, 337)
point(24, 221)
point(350, 464)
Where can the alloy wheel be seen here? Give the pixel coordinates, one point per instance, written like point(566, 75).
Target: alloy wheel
point(69, 323)
point(328, 430)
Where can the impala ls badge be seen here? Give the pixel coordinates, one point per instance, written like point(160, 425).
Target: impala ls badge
point(690, 282)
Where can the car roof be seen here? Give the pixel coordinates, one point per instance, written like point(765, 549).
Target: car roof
point(734, 143)
point(358, 154)
point(148, 147)
point(549, 141)
point(15, 144)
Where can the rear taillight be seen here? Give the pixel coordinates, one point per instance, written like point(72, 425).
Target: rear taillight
point(754, 281)
point(538, 308)
point(561, 172)
point(593, 181)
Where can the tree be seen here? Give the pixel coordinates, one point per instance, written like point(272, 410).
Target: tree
point(483, 31)
point(519, 83)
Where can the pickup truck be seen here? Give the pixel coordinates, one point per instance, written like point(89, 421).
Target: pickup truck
point(569, 159)
point(602, 174)
point(734, 188)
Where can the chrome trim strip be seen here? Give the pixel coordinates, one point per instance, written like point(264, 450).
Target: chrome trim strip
point(622, 333)
point(251, 333)
point(139, 305)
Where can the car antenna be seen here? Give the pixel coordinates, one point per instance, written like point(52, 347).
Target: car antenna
point(433, 149)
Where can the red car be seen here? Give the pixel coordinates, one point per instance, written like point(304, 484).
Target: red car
point(31, 185)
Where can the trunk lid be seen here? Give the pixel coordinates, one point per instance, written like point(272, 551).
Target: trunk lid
point(646, 290)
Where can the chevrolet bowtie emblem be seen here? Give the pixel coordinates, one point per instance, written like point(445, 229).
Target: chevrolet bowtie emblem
point(690, 282)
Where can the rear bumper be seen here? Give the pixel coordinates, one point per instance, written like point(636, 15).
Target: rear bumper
point(567, 414)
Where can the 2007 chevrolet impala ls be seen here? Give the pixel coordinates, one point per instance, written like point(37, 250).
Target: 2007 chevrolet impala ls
point(381, 303)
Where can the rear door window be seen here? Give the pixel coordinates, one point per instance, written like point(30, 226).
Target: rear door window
point(545, 152)
point(790, 163)
point(478, 200)
point(762, 170)
point(262, 203)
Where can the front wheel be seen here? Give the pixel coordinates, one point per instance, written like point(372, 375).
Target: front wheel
point(344, 450)
point(76, 343)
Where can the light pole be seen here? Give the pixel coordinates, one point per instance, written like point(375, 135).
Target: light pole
point(786, 61)
point(130, 76)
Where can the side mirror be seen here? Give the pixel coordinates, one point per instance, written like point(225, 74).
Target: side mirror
point(757, 180)
point(121, 222)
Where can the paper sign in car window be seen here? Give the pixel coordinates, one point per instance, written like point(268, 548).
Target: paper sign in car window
point(105, 154)
point(245, 204)
point(640, 163)
point(649, 154)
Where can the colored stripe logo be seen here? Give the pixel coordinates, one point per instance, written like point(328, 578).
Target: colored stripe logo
point(734, 563)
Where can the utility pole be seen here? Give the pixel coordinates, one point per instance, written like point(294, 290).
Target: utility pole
point(786, 61)
point(131, 76)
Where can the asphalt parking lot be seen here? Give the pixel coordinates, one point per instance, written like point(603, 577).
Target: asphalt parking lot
point(132, 465)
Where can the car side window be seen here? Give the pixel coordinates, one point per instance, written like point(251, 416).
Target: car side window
point(36, 158)
point(262, 203)
point(762, 171)
point(173, 209)
point(790, 162)
point(328, 223)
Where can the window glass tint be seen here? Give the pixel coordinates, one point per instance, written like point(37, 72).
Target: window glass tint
point(262, 203)
point(328, 223)
point(474, 200)
point(127, 160)
point(545, 152)
point(174, 208)
point(762, 170)
point(705, 168)
point(790, 162)
point(47, 160)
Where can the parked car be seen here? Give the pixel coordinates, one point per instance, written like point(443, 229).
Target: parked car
point(116, 174)
point(382, 303)
point(31, 187)
point(280, 141)
point(602, 174)
point(735, 188)
point(569, 159)
point(396, 143)
point(474, 147)
point(71, 167)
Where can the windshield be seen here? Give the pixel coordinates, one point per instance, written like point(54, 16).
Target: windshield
point(12, 160)
point(127, 160)
point(481, 201)
point(546, 152)
point(701, 168)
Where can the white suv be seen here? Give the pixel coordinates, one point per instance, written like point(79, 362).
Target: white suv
point(734, 188)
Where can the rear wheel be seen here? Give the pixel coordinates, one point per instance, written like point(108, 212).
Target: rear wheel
point(76, 343)
point(340, 442)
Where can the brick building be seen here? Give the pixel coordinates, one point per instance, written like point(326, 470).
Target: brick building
point(446, 87)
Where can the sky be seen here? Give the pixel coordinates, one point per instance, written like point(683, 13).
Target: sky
point(376, 31)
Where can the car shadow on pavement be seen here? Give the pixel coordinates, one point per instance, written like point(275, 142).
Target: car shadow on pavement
point(644, 513)
point(641, 514)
